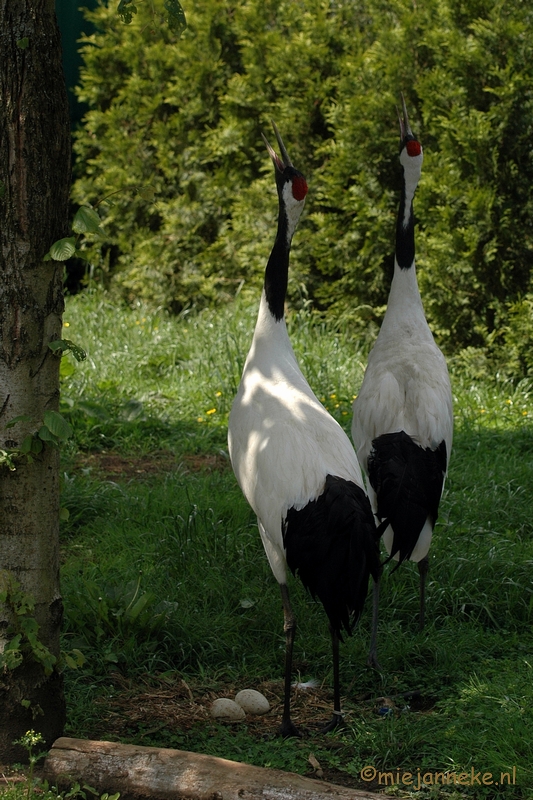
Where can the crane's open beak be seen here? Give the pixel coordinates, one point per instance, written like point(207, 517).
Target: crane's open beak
point(278, 163)
point(405, 128)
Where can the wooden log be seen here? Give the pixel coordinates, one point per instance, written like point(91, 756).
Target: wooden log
point(161, 774)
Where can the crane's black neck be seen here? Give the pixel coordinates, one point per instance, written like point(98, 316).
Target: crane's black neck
point(405, 232)
point(277, 269)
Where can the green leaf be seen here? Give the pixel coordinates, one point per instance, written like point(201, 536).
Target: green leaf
point(86, 220)
point(64, 514)
point(23, 43)
point(63, 345)
point(57, 425)
point(10, 659)
point(58, 344)
point(81, 254)
point(30, 627)
point(139, 606)
point(176, 16)
point(47, 436)
point(36, 445)
point(26, 445)
point(77, 351)
point(20, 418)
point(14, 643)
point(63, 249)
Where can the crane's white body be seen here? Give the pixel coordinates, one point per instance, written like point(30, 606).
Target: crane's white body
point(406, 386)
point(282, 441)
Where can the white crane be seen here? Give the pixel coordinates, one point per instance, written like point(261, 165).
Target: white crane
point(402, 417)
point(294, 463)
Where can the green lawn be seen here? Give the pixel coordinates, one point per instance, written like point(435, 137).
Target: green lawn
point(165, 582)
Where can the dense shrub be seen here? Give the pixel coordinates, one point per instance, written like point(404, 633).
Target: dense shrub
point(185, 117)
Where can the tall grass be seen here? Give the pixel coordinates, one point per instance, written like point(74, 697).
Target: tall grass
point(166, 573)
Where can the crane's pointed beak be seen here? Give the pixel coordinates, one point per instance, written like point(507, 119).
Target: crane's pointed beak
point(278, 162)
point(405, 128)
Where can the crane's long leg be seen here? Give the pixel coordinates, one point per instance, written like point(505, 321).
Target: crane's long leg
point(372, 659)
point(423, 567)
point(289, 626)
point(336, 719)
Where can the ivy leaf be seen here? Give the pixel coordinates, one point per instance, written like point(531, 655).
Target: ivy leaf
point(87, 220)
point(57, 425)
point(63, 249)
point(23, 43)
point(176, 16)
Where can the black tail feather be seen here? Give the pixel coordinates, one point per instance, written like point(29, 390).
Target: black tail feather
point(408, 481)
point(332, 546)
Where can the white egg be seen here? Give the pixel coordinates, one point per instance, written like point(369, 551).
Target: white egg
point(227, 710)
point(252, 702)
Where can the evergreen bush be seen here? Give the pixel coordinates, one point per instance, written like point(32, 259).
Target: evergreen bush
point(182, 119)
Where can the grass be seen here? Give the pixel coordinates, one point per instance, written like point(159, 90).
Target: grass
point(165, 582)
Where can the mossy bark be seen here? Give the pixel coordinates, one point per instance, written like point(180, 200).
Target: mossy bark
point(34, 189)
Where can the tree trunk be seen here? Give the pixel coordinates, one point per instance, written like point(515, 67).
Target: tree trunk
point(34, 188)
point(157, 773)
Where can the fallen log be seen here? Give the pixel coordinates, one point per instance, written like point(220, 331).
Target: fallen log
point(161, 774)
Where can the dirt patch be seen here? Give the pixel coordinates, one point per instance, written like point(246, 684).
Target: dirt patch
point(110, 464)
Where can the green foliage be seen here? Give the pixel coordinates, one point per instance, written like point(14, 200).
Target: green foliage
point(36, 789)
point(86, 221)
point(61, 346)
point(23, 641)
point(176, 16)
point(185, 119)
point(23, 630)
point(28, 741)
point(54, 430)
point(115, 624)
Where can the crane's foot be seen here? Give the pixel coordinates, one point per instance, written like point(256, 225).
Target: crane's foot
point(288, 730)
point(336, 722)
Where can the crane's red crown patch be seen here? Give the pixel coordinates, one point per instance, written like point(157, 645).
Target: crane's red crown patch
point(413, 147)
point(299, 187)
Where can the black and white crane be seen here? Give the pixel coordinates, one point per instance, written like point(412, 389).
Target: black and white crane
point(402, 417)
point(294, 463)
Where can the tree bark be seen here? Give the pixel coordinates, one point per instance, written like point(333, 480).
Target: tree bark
point(34, 189)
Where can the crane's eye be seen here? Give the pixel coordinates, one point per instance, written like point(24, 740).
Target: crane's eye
point(299, 187)
point(413, 147)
